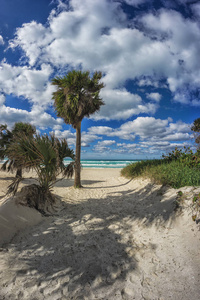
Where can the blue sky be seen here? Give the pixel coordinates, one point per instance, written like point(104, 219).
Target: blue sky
point(147, 50)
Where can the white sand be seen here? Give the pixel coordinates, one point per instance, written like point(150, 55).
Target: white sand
point(114, 239)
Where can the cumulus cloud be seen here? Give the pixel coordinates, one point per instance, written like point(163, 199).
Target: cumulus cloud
point(106, 143)
point(121, 104)
point(36, 117)
point(32, 84)
point(145, 127)
point(161, 51)
point(136, 2)
point(154, 96)
point(86, 137)
point(156, 130)
point(32, 38)
point(43, 120)
point(65, 134)
point(28, 84)
point(196, 9)
point(128, 148)
point(96, 35)
point(103, 146)
point(96, 26)
point(1, 40)
point(2, 99)
point(100, 130)
point(154, 136)
point(182, 37)
point(9, 115)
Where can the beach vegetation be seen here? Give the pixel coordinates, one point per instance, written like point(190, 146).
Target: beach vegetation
point(196, 129)
point(196, 208)
point(44, 154)
point(179, 168)
point(77, 96)
point(6, 138)
point(179, 200)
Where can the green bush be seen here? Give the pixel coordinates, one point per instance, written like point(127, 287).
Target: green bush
point(196, 208)
point(138, 168)
point(177, 170)
point(185, 155)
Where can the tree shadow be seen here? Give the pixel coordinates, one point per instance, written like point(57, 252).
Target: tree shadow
point(105, 187)
point(90, 248)
point(7, 178)
point(70, 182)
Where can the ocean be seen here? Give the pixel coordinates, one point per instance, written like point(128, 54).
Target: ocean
point(104, 163)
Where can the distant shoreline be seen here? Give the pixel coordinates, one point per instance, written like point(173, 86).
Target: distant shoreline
point(104, 163)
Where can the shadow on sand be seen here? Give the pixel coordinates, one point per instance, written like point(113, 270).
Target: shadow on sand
point(85, 251)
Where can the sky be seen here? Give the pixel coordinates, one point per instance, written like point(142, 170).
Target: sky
point(148, 53)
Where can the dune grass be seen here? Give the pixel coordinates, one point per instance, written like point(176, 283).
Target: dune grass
point(175, 173)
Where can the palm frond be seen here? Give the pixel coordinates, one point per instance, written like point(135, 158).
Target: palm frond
point(4, 166)
point(44, 154)
point(69, 170)
point(77, 95)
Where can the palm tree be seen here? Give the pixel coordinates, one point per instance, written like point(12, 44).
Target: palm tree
point(76, 97)
point(6, 137)
point(44, 154)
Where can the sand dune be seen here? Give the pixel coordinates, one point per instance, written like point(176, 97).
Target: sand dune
point(113, 239)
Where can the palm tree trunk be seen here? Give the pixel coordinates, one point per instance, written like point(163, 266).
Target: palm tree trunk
point(77, 180)
point(19, 173)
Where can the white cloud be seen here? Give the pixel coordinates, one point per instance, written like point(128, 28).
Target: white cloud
point(154, 96)
point(178, 137)
point(1, 40)
point(32, 38)
point(106, 143)
point(120, 104)
point(10, 115)
point(127, 146)
point(2, 99)
point(136, 2)
point(36, 117)
point(147, 128)
point(182, 37)
point(65, 134)
point(94, 34)
point(88, 138)
point(155, 130)
point(103, 146)
point(147, 81)
point(155, 136)
point(32, 84)
point(196, 9)
point(42, 119)
point(100, 130)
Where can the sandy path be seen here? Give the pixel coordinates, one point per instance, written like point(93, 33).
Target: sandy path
point(114, 239)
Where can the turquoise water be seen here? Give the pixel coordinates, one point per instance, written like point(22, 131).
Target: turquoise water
point(95, 163)
point(87, 163)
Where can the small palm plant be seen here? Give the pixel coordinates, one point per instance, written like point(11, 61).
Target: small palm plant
point(6, 138)
point(45, 154)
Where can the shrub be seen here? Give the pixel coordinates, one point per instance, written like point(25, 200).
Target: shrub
point(196, 208)
point(44, 154)
point(174, 172)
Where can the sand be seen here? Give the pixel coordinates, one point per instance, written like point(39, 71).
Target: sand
point(114, 239)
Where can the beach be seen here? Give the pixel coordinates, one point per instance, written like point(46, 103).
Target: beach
point(113, 239)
